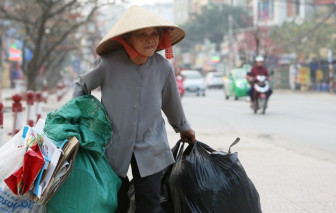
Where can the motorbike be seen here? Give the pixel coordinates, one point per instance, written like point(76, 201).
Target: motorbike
point(261, 89)
point(180, 87)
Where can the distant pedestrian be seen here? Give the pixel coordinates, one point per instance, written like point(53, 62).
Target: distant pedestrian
point(136, 84)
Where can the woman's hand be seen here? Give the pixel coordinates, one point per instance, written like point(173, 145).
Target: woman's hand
point(188, 136)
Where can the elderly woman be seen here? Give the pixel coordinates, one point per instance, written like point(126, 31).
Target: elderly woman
point(136, 84)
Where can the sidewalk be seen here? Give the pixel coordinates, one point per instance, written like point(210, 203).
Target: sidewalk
point(7, 93)
point(288, 181)
point(51, 105)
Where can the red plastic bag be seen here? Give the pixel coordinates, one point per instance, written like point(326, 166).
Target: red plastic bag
point(22, 179)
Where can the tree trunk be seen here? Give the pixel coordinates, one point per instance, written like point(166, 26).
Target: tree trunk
point(32, 73)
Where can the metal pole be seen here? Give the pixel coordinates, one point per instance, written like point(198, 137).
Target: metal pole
point(257, 40)
point(1, 121)
point(231, 42)
point(17, 113)
point(331, 74)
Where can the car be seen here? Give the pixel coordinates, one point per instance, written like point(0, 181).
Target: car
point(194, 82)
point(236, 84)
point(214, 80)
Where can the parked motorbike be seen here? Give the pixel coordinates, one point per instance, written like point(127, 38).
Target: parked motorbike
point(180, 87)
point(261, 89)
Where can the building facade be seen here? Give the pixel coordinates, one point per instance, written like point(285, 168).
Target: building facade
point(274, 12)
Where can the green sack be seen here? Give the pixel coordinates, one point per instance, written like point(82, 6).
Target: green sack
point(92, 185)
point(83, 117)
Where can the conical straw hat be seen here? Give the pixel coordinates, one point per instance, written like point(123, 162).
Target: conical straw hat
point(136, 18)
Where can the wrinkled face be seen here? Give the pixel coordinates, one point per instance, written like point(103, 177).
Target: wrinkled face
point(145, 41)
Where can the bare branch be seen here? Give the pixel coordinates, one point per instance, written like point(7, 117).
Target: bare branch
point(46, 27)
point(64, 36)
point(312, 30)
point(62, 9)
point(6, 16)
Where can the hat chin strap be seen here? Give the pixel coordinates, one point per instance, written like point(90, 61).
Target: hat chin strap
point(166, 44)
point(129, 49)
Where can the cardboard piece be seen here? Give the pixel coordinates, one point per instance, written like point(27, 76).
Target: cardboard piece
point(52, 154)
point(61, 172)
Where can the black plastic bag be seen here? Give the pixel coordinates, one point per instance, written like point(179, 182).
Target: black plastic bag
point(166, 199)
point(203, 180)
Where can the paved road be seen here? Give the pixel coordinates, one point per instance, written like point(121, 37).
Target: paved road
point(303, 122)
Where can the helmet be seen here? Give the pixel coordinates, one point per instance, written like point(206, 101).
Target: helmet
point(259, 58)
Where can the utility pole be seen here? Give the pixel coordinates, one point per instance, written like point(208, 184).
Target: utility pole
point(331, 74)
point(234, 57)
point(230, 41)
point(256, 35)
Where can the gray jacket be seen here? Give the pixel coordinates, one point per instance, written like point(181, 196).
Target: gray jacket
point(134, 97)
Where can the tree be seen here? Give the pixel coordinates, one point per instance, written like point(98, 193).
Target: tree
point(308, 38)
point(47, 29)
point(212, 23)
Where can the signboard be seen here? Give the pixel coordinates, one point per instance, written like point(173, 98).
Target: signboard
point(15, 54)
point(215, 59)
point(304, 75)
point(319, 75)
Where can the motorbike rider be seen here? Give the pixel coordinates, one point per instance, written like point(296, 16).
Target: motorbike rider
point(258, 69)
point(179, 80)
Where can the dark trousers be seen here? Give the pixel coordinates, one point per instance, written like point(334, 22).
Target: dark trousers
point(250, 92)
point(147, 192)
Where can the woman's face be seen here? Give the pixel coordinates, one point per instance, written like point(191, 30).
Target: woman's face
point(145, 41)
